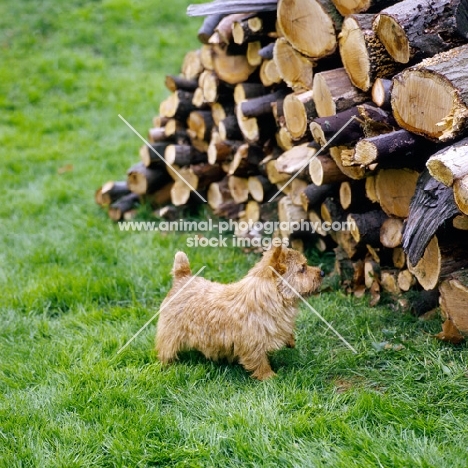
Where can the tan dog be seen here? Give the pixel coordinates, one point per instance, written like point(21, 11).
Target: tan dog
point(242, 321)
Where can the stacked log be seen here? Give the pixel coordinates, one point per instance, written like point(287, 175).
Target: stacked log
point(334, 113)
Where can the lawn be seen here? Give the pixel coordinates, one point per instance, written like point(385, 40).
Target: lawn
point(75, 289)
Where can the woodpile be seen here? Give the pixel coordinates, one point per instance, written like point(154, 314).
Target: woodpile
point(330, 113)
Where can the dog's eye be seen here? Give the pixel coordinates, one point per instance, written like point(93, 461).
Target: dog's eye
point(304, 268)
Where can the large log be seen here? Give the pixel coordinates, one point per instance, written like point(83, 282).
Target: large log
point(431, 98)
point(363, 54)
point(431, 206)
point(208, 27)
point(310, 26)
point(413, 30)
point(299, 110)
point(232, 69)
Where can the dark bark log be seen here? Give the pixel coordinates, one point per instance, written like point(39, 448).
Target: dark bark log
point(261, 105)
point(267, 51)
point(431, 205)
point(413, 30)
point(208, 27)
point(175, 82)
point(314, 195)
point(367, 226)
point(141, 179)
point(123, 205)
point(112, 191)
point(231, 6)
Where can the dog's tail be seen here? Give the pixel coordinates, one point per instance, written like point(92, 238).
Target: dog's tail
point(181, 268)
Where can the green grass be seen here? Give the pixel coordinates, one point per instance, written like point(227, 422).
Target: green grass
point(74, 289)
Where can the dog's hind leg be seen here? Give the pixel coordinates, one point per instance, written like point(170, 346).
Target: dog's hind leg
point(260, 366)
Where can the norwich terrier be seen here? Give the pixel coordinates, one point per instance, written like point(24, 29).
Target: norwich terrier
point(243, 321)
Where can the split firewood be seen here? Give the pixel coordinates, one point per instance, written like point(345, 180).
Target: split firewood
point(342, 127)
point(246, 160)
point(365, 227)
point(389, 281)
point(297, 187)
point(215, 90)
point(371, 191)
point(261, 105)
point(207, 174)
point(175, 82)
point(223, 33)
point(310, 26)
point(183, 155)
point(351, 273)
point(381, 92)
point(295, 69)
point(353, 196)
point(260, 188)
point(439, 260)
point(391, 232)
point(314, 195)
point(363, 54)
point(323, 170)
point(191, 65)
point(386, 147)
point(201, 123)
point(218, 194)
point(405, 280)
point(153, 156)
point(460, 222)
point(252, 211)
point(333, 92)
point(296, 161)
point(339, 154)
point(232, 69)
point(160, 197)
point(156, 134)
point(206, 57)
point(248, 90)
point(269, 74)
point(431, 205)
point(112, 191)
point(395, 188)
point(288, 213)
point(221, 111)
point(178, 105)
point(220, 150)
point(398, 258)
point(371, 272)
point(417, 29)
point(141, 179)
point(430, 99)
point(229, 128)
point(255, 129)
point(239, 188)
point(253, 27)
point(450, 163)
point(454, 299)
point(299, 110)
point(123, 205)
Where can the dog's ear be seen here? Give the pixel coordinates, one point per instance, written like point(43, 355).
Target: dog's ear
point(276, 260)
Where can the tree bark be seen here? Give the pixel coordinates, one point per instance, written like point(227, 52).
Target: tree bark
point(431, 205)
